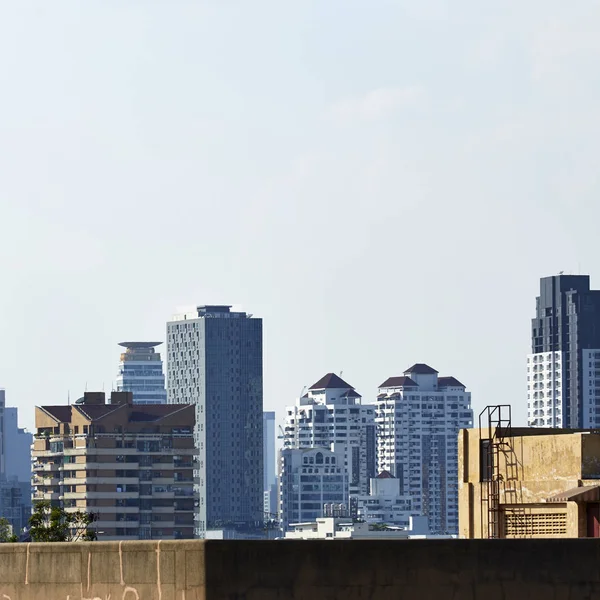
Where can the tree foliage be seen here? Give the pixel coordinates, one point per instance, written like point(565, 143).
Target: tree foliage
point(54, 524)
point(6, 534)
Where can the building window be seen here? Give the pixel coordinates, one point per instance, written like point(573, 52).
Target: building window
point(485, 461)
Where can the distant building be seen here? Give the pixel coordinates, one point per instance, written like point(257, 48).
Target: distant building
point(215, 362)
point(15, 468)
point(385, 504)
point(270, 465)
point(331, 412)
point(130, 464)
point(309, 479)
point(17, 441)
point(563, 370)
point(141, 372)
point(418, 417)
point(12, 503)
point(2, 442)
point(343, 528)
point(529, 482)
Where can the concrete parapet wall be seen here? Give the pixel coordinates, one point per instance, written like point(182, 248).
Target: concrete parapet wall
point(302, 570)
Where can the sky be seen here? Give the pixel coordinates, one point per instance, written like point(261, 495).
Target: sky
point(383, 182)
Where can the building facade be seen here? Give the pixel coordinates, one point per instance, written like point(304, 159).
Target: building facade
point(563, 369)
point(309, 479)
point(269, 465)
point(141, 372)
point(331, 412)
point(215, 362)
point(418, 418)
point(529, 483)
point(132, 465)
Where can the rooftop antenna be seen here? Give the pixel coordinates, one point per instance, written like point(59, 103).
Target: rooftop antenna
point(68, 397)
point(341, 373)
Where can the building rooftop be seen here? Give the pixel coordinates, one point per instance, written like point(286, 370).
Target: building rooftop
point(449, 382)
point(398, 382)
point(134, 345)
point(420, 369)
point(96, 412)
point(330, 381)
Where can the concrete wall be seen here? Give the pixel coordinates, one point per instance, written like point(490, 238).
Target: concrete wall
point(303, 570)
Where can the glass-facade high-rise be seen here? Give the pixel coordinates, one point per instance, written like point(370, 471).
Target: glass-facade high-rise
point(563, 369)
point(214, 360)
point(141, 372)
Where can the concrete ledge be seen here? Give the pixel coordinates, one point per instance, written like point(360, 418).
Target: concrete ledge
point(302, 570)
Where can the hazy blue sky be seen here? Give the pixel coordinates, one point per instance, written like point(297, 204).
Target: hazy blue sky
point(384, 182)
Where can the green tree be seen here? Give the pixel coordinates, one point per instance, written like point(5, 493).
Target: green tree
point(54, 524)
point(6, 534)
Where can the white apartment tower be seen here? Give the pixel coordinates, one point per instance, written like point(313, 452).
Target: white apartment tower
point(331, 412)
point(418, 418)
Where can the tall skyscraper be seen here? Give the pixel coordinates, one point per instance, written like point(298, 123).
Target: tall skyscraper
point(418, 418)
point(214, 360)
point(331, 412)
point(269, 464)
point(563, 370)
point(141, 372)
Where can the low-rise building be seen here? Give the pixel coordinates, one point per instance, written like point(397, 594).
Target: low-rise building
point(385, 503)
point(131, 465)
point(529, 482)
point(344, 528)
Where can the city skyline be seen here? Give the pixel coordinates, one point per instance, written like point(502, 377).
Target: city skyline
point(520, 404)
point(281, 173)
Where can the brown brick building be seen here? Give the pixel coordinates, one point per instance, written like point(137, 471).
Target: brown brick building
point(130, 464)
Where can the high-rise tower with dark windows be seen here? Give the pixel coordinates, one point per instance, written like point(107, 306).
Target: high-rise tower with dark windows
point(214, 360)
point(563, 369)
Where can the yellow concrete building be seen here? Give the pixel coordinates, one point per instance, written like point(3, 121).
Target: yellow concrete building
point(529, 482)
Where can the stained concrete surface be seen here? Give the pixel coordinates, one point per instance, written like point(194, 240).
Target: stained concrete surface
point(302, 570)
